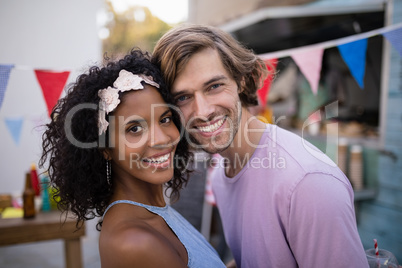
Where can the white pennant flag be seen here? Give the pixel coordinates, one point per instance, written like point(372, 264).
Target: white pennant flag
point(309, 63)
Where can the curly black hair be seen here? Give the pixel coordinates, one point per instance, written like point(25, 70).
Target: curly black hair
point(73, 148)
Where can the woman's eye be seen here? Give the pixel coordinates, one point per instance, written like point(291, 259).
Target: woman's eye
point(166, 120)
point(135, 129)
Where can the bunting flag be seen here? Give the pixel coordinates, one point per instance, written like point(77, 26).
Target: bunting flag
point(395, 38)
point(38, 123)
point(4, 75)
point(38, 120)
point(309, 63)
point(14, 126)
point(264, 90)
point(52, 84)
point(354, 55)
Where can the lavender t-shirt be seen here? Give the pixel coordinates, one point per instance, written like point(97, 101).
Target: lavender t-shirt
point(290, 206)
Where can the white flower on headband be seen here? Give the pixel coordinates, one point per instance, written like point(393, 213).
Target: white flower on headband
point(109, 97)
point(128, 81)
point(109, 101)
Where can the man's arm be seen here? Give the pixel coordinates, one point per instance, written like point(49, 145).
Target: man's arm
point(322, 224)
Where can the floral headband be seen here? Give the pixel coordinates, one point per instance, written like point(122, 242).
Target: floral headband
point(110, 95)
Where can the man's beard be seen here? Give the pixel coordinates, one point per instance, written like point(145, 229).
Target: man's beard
point(209, 146)
point(196, 145)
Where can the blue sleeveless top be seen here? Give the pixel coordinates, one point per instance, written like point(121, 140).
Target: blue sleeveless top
point(200, 253)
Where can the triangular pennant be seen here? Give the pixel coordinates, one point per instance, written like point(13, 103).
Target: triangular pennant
point(354, 55)
point(52, 84)
point(395, 38)
point(264, 90)
point(4, 75)
point(309, 63)
point(38, 123)
point(14, 125)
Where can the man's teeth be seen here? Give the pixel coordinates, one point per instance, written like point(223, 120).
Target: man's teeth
point(213, 127)
point(158, 160)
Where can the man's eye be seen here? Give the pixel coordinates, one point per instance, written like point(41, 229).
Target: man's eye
point(135, 129)
point(181, 98)
point(216, 86)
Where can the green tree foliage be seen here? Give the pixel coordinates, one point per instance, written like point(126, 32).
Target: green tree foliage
point(136, 27)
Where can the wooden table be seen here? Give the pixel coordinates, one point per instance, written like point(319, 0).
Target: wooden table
point(45, 226)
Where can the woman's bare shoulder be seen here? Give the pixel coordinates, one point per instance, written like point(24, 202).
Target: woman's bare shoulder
point(134, 243)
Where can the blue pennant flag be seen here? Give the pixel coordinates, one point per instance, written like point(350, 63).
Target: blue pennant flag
point(4, 75)
point(14, 126)
point(395, 38)
point(354, 55)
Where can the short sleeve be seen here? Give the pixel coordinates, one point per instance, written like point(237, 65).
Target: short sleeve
point(322, 229)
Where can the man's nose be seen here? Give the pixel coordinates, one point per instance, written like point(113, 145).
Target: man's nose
point(202, 106)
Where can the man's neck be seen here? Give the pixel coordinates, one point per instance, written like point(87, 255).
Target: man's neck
point(244, 143)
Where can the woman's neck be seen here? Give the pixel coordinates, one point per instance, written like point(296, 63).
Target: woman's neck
point(141, 192)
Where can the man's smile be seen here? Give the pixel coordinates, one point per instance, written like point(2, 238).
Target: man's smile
point(209, 128)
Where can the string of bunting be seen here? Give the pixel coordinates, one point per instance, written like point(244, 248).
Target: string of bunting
point(51, 83)
point(308, 58)
point(352, 49)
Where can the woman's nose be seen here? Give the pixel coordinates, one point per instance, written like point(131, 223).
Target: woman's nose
point(159, 137)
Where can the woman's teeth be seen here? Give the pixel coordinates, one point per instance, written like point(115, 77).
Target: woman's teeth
point(213, 127)
point(158, 160)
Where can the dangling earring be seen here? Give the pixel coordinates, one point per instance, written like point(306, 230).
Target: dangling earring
point(108, 172)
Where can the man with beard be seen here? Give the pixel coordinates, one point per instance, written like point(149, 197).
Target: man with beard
point(282, 203)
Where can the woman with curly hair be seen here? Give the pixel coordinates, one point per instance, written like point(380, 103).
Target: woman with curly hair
point(112, 145)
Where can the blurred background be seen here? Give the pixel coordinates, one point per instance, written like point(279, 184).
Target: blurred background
point(338, 84)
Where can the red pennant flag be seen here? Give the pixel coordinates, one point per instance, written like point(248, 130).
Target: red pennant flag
point(52, 84)
point(264, 90)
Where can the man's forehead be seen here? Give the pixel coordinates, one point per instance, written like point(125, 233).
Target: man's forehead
point(203, 68)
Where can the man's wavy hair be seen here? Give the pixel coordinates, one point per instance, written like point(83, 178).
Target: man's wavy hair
point(173, 51)
point(78, 174)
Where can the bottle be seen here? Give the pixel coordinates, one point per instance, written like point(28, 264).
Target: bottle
point(45, 193)
point(28, 198)
point(34, 179)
